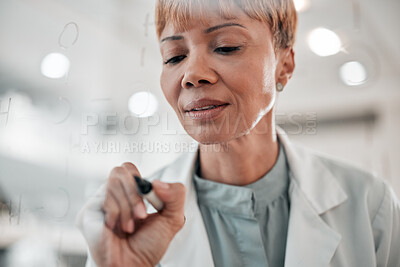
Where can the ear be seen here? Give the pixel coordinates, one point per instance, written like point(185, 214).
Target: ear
point(285, 66)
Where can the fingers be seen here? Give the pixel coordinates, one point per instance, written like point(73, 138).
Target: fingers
point(117, 203)
point(135, 200)
point(173, 196)
point(123, 204)
point(112, 211)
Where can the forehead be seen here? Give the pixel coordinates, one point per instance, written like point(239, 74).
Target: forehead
point(204, 17)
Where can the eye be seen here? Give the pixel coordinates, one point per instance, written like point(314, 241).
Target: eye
point(226, 50)
point(174, 60)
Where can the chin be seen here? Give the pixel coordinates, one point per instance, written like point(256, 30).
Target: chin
point(216, 138)
point(220, 131)
point(211, 139)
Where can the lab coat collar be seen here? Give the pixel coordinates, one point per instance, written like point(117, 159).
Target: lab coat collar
point(313, 190)
point(316, 182)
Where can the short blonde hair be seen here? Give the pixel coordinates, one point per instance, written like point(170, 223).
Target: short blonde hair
point(280, 15)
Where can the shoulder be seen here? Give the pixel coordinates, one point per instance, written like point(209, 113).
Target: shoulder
point(361, 186)
point(346, 173)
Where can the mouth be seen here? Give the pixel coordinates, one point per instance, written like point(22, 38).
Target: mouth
point(205, 109)
point(204, 104)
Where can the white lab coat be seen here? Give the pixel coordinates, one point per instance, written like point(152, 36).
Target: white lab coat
point(339, 215)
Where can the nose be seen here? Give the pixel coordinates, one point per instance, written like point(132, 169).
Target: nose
point(198, 72)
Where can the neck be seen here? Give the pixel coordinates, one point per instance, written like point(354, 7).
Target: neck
point(243, 160)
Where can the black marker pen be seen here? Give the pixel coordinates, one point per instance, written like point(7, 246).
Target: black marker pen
point(146, 190)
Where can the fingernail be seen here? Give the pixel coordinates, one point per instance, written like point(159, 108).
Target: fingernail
point(130, 226)
point(161, 184)
point(140, 211)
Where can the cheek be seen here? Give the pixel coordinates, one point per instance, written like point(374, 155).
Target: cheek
point(257, 93)
point(268, 90)
point(257, 90)
point(269, 77)
point(169, 89)
point(265, 89)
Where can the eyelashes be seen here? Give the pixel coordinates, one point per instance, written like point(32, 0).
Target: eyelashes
point(174, 60)
point(227, 50)
point(220, 50)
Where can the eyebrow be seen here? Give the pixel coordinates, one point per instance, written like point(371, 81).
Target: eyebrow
point(209, 30)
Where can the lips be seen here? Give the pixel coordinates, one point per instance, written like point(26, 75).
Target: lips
point(205, 109)
point(203, 104)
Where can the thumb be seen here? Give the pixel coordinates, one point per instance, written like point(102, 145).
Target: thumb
point(173, 196)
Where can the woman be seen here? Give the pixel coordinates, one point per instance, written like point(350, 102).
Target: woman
point(247, 197)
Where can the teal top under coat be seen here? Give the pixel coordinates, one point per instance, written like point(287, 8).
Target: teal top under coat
point(247, 225)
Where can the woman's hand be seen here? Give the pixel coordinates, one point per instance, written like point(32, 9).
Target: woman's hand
point(130, 236)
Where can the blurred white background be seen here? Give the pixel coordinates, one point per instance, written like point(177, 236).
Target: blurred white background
point(80, 94)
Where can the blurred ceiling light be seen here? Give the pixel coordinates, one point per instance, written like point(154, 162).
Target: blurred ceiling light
point(324, 42)
point(353, 73)
point(301, 5)
point(55, 65)
point(143, 104)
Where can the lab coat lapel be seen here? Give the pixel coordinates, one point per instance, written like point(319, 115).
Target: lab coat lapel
point(311, 241)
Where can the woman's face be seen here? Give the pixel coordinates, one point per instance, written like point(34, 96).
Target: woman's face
point(227, 67)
